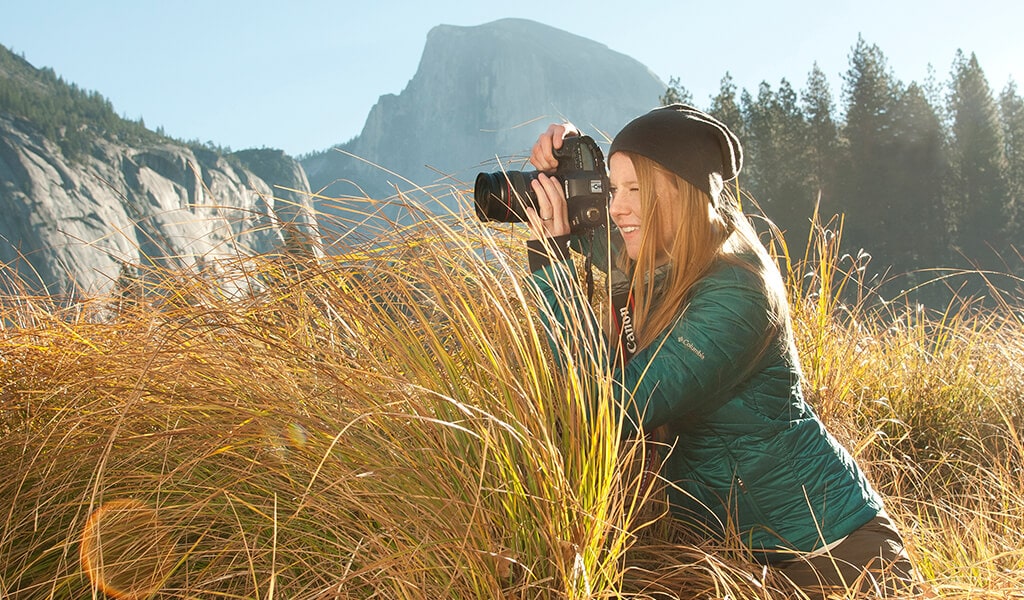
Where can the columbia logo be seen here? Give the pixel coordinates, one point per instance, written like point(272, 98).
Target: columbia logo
point(691, 347)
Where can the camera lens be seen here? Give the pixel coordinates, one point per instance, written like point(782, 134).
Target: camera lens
point(504, 196)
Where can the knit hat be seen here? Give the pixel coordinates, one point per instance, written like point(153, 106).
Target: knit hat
point(689, 142)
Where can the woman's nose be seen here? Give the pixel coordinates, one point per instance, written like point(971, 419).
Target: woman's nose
point(615, 205)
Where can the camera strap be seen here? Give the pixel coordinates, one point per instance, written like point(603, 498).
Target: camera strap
point(623, 350)
point(624, 346)
point(625, 343)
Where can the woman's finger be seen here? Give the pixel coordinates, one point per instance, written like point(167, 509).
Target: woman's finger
point(551, 205)
point(542, 156)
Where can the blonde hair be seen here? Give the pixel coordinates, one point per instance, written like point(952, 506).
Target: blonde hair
point(686, 228)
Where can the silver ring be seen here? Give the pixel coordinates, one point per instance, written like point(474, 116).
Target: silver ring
point(547, 219)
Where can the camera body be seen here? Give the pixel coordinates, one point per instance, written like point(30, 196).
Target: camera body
point(504, 196)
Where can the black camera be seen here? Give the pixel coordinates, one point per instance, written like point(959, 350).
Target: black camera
point(504, 196)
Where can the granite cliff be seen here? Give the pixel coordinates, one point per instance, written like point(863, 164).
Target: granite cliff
point(479, 93)
point(72, 215)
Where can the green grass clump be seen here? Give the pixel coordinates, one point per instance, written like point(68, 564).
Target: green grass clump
point(386, 422)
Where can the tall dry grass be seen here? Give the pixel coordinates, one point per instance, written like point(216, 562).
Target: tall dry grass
point(386, 422)
point(380, 423)
point(930, 400)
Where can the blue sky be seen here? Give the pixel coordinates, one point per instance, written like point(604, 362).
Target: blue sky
point(303, 75)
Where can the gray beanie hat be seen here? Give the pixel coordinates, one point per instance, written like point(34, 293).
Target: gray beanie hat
point(686, 141)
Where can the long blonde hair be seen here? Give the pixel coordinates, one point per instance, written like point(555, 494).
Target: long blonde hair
point(699, 233)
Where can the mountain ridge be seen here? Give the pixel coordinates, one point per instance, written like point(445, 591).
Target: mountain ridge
point(482, 92)
point(84, 191)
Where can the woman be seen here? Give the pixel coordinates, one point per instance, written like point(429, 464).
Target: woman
point(710, 361)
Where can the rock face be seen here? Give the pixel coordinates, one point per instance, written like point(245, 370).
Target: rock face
point(67, 226)
point(479, 93)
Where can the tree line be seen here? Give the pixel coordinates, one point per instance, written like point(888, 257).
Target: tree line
point(72, 117)
point(64, 113)
point(924, 175)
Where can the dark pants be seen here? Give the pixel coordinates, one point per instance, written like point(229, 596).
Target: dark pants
point(871, 560)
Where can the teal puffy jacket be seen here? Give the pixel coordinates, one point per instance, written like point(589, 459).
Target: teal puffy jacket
point(749, 455)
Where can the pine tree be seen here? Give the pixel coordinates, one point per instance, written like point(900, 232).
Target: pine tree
point(919, 167)
point(822, 136)
point(676, 93)
point(726, 108)
point(1011, 115)
point(864, 177)
point(777, 150)
point(979, 199)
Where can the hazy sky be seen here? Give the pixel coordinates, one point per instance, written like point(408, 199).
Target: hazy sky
point(302, 75)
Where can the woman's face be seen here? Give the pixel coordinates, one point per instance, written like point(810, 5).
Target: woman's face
point(626, 209)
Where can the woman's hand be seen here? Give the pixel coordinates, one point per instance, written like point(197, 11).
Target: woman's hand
point(542, 157)
point(551, 217)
